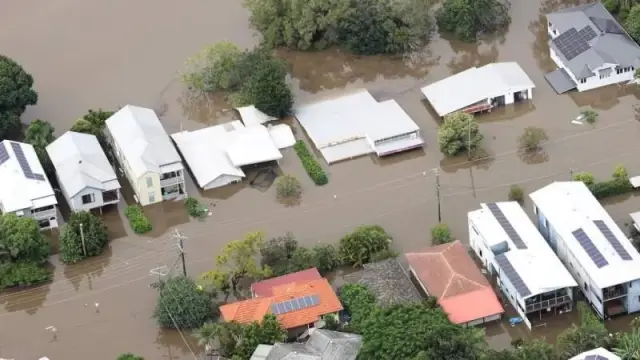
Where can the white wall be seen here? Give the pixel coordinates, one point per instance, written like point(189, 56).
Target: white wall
point(76, 202)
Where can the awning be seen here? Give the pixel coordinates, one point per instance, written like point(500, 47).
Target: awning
point(560, 81)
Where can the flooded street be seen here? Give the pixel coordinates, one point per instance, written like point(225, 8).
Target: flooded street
point(99, 54)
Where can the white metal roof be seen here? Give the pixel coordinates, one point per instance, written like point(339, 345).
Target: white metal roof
point(475, 84)
point(80, 162)
point(606, 355)
point(252, 116)
point(221, 150)
point(568, 206)
point(18, 191)
point(142, 139)
point(282, 135)
point(537, 264)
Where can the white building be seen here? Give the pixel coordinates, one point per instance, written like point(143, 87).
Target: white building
point(25, 189)
point(480, 89)
point(356, 124)
point(216, 154)
point(85, 176)
point(590, 49)
point(146, 155)
point(597, 354)
point(529, 274)
point(590, 244)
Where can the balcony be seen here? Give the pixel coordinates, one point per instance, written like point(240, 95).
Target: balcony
point(110, 196)
point(550, 303)
point(171, 178)
point(46, 212)
point(614, 292)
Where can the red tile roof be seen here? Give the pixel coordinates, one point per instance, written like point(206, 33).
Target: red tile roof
point(450, 274)
point(264, 288)
point(251, 310)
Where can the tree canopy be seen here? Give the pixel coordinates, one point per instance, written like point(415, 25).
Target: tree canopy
point(632, 22)
point(183, 304)
point(458, 132)
point(40, 134)
point(16, 93)
point(96, 237)
point(362, 245)
point(94, 123)
point(129, 356)
point(468, 19)
point(283, 255)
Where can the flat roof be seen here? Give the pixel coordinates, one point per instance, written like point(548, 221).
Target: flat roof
point(252, 116)
point(569, 207)
point(476, 84)
point(535, 262)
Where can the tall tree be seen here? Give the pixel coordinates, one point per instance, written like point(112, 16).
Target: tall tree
point(458, 133)
point(469, 19)
point(40, 134)
point(16, 93)
point(360, 246)
point(239, 341)
point(21, 240)
point(95, 233)
point(94, 123)
point(182, 304)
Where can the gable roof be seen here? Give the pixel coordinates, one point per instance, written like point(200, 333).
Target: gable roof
point(251, 310)
point(596, 354)
point(22, 189)
point(449, 274)
point(322, 345)
point(608, 42)
point(142, 140)
point(264, 288)
point(80, 163)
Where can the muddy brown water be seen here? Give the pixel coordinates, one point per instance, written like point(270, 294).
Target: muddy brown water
point(90, 54)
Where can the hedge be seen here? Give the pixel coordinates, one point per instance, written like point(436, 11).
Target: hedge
point(310, 164)
point(603, 189)
point(138, 221)
point(194, 208)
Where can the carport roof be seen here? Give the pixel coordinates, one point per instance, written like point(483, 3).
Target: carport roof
point(560, 81)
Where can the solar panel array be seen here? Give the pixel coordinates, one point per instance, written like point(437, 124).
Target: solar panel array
point(22, 161)
point(295, 304)
point(595, 357)
point(572, 42)
point(513, 275)
point(4, 155)
point(608, 234)
point(588, 246)
point(506, 225)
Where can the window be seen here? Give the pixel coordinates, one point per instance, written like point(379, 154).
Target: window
point(480, 252)
point(152, 197)
point(149, 182)
point(604, 73)
point(586, 287)
point(583, 80)
point(44, 208)
point(44, 223)
point(88, 199)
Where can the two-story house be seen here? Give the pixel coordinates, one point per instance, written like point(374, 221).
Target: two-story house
point(146, 155)
point(527, 271)
point(592, 247)
point(590, 48)
point(25, 189)
point(84, 173)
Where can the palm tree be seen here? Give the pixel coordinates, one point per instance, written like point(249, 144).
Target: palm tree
point(207, 334)
point(39, 134)
point(629, 345)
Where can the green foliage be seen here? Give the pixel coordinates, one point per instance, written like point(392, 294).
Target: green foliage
point(138, 221)
point(310, 164)
point(267, 89)
point(632, 22)
point(287, 186)
point(590, 334)
point(239, 341)
point(358, 247)
point(21, 240)
point(94, 123)
point(22, 274)
point(612, 6)
point(195, 208)
point(213, 68)
point(181, 303)
point(359, 302)
point(441, 234)
point(590, 116)
point(587, 178)
point(129, 356)
point(619, 183)
point(531, 139)
point(459, 132)
point(620, 173)
point(16, 93)
point(326, 258)
point(40, 134)
point(283, 255)
point(516, 193)
point(469, 19)
point(384, 255)
point(628, 346)
point(96, 237)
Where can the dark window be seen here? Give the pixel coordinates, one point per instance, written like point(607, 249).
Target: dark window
point(586, 287)
point(88, 199)
point(480, 252)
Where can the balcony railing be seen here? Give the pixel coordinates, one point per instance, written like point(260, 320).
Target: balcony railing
point(544, 304)
point(110, 196)
point(614, 292)
point(171, 181)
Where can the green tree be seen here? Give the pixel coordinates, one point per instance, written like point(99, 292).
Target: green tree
point(358, 247)
point(96, 237)
point(620, 173)
point(359, 302)
point(516, 193)
point(16, 93)
point(441, 234)
point(237, 262)
point(468, 19)
point(632, 22)
point(94, 123)
point(590, 334)
point(21, 240)
point(587, 178)
point(531, 139)
point(459, 132)
point(288, 186)
point(40, 134)
point(267, 89)
point(628, 346)
point(130, 356)
point(207, 334)
point(326, 258)
point(277, 254)
point(181, 303)
point(267, 332)
point(213, 68)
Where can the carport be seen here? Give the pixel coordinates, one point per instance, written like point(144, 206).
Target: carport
point(560, 81)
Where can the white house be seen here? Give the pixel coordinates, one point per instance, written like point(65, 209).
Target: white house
point(480, 89)
point(529, 274)
point(597, 354)
point(590, 244)
point(25, 189)
point(590, 48)
point(85, 176)
point(146, 155)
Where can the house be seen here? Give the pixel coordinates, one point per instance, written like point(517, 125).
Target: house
point(448, 273)
point(597, 354)
point(86, 178)
point(592, 247)
point(321, 345)
point(480, 89)
point(298, 306)
point(25, 189)
point(388, 281)
point(146, 155)
point(356, 125)
point(216, 154)
point(528, 272)
point(590, 48)
point(265, 288)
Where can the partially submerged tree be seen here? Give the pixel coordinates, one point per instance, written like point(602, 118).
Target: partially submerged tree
point(16, 93)
point(182, 304)
point(358, 247)
point(82, 224)
point(516, 193)
point(288, 186)
point(441, 234)
point(458, 133)
point(532, 139)
point(587, 178)
point(130, 356)
point(469, 19)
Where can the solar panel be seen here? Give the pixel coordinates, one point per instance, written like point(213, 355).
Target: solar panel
point(513, 276)
point(572, 43)
point(281, 308)
point(38, 177)
point(587, 33)
point(506, 225)
point(295, 304)
point(288, 306)
point(22, 160)
point(608, 234)
point(4, 155)
point(595, 357)
point(301, 304)
point(590, 248)
point(274, 309)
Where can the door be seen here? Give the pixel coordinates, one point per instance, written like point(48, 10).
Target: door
point(152, 197)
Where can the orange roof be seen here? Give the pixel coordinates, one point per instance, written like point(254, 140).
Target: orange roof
point(265, 288)
point(449, 273)
point(251, 310)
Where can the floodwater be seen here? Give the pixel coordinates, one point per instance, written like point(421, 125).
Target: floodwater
point(99, 54)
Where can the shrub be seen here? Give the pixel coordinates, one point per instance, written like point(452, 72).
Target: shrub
point(590, 116)
point(516, 193)
point(181, 303)
point(620, 173)
point(458, 133)
point(359, 302)
point(129, 356)
point(587, 178)
point(532, 138)
point(195, 209)
point(96, 237)
point(359, 247)
point(138, 221)
point(22, 274)
point(310, 164)
point(287, 186)
point(441, 234)
point(612, 187)
point(326, 258)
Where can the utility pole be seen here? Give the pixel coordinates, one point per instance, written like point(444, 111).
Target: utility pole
point(469, 139)
point(571, 174)
point(438, 194)
point(177, 235)
point(84, 245)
